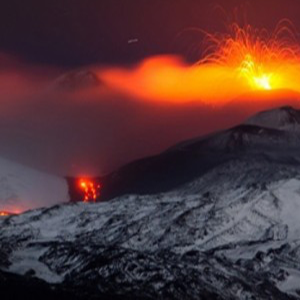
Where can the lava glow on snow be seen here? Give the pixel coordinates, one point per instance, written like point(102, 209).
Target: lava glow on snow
point(90, 190)
point(243, 60)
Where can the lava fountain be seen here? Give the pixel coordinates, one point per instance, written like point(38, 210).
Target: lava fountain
point(265, 61)
point(90, 190)
point(243, 60)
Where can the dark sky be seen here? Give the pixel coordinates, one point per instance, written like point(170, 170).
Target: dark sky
point(77, 32)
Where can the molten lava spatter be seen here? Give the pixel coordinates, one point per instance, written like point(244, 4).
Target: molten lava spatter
point(233, 64)
point(263, 59)
point(90, 189)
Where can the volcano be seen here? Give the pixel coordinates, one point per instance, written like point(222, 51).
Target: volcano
point(76, 80)
point(216, 217)
point(272, 134)
point(285, 118)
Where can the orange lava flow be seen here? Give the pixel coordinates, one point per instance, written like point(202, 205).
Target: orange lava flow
point(4, 214)
point(235, 63)
point(90, 189)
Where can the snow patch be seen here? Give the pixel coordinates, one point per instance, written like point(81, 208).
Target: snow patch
point(289, 195)
point(22, 188)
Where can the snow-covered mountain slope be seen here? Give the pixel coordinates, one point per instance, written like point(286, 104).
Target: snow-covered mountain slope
point(231, 234)
point(22, 188)
point(283, 118)
point(280, 141)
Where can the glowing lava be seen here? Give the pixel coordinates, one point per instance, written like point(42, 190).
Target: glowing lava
point(263, 59)
point(4, 214)
point(235, 63)
point(256, 77)
point(90, 189)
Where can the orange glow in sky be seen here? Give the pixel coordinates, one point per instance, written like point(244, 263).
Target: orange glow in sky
point(90, 189)
point(243, 60)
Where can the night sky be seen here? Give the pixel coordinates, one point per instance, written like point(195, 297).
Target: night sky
point(78, 32)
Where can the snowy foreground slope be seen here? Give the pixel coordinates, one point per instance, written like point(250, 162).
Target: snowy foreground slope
point(22, 188)
point(231, 233)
